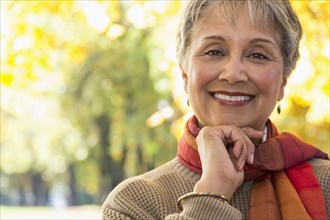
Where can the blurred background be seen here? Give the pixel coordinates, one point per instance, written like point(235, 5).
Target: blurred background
point(91, 93)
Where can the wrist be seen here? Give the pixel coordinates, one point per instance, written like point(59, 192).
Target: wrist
point(227, 190)
point(195, 194)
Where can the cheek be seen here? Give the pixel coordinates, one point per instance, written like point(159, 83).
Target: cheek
point(200, 75)
point(269, 82)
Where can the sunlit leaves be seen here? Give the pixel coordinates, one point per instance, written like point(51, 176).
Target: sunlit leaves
point(313, 70)
point(306, 105)
point(6, 79)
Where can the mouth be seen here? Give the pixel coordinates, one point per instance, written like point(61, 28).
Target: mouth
point(232, 98)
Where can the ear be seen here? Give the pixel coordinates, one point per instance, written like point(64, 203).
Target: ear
point(281, 94)
point(185, 78)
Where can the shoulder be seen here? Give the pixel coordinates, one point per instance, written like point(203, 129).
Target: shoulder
point(171, 174)
point(151, 191)
point(147, 182)
point(321, 169)
point(319, 162)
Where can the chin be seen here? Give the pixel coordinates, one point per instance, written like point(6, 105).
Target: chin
point(230, 121)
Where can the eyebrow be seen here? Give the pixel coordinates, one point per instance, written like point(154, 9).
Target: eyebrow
point(255, 40)
point(214, 37)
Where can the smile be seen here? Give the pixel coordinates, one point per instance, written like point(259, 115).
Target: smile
point(232, 98)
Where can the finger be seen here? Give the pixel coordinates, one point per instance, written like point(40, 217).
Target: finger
point(237, 162)
point(252, 133)
point(231, 135)
point(241, 159)
point(250, 149)
point(234, 160)
point(235, 136)
point(240, 149)
point(238, 146)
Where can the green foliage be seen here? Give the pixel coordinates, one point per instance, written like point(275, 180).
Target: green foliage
point(77, 92)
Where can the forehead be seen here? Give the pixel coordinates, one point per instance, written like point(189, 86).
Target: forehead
point(216, 19)
point(258, 13)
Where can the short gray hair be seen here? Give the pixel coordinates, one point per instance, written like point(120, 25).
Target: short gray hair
point(277, 14)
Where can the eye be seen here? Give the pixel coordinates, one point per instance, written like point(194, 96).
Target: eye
point(259, 56)
point(214, 53)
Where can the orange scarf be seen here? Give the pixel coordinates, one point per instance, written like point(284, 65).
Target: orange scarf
point(284, 186)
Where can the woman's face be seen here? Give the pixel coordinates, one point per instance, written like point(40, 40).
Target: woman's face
point(233, 74)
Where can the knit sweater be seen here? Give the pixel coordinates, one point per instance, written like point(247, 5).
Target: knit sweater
point(154, 195)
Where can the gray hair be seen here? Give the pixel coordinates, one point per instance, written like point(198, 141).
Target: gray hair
point(276, 14)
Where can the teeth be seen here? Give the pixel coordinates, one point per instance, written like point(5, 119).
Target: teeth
point(232, 98)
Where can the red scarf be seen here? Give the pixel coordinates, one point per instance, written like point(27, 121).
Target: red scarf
point(280, 171)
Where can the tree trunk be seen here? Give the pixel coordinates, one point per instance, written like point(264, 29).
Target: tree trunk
point(111, 171)
point(22, 198)
point(73, 200)
point(40, 189)
point(118, 169)
point(105, 159)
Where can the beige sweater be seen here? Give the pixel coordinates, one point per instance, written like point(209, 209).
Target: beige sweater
point(154, 195)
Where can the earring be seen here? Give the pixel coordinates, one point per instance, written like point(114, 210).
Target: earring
point(278, 107)
point(188, 104)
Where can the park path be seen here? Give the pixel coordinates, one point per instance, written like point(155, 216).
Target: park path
point(46, 213)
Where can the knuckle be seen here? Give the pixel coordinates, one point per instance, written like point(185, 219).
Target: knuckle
point(205, 130)
point(209, 131)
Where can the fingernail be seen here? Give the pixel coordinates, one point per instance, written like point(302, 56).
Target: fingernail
point(252, 158)
point(242, 166)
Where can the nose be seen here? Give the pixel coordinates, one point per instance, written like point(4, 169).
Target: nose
point(233, 70)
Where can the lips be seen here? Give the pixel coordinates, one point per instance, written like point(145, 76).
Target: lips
point(232, 97)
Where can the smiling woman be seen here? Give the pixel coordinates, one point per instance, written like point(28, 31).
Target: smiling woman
point(232, 162)
point(233, 69)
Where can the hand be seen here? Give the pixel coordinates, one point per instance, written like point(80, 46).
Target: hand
point(223, 151)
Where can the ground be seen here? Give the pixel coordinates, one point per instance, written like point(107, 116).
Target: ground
point(45, 213)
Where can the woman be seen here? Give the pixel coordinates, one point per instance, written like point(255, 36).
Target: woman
point(232, 163)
